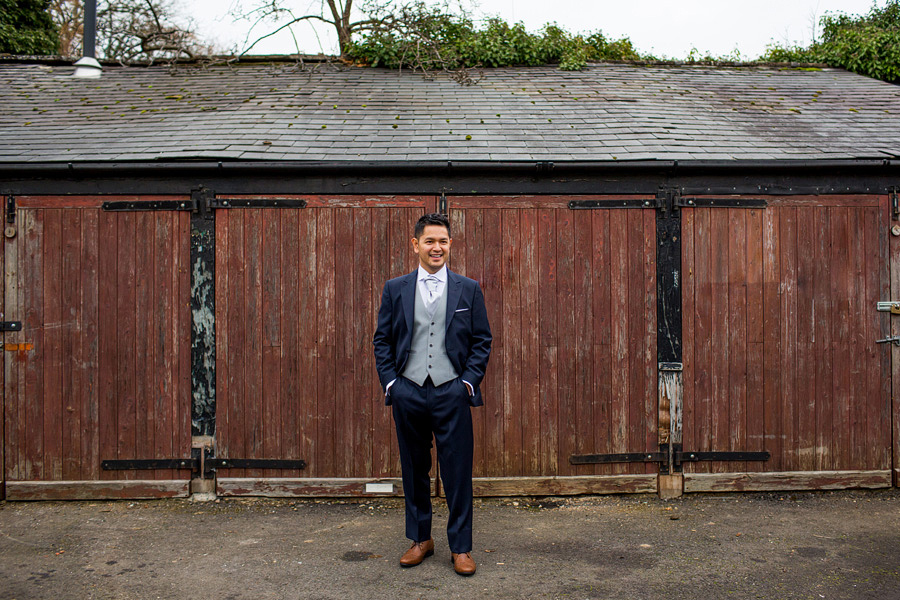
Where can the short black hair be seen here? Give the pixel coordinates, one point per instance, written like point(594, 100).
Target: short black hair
point(431, 219)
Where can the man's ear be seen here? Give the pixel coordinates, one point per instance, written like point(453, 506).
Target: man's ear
point(415, 245)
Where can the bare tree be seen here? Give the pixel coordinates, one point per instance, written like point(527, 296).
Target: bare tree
point(129, 30)
point(280, 16)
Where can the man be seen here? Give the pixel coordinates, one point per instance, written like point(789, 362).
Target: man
point(432, 345)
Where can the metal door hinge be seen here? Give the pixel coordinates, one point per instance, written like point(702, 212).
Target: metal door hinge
point(11, 210)
point(895, 204)
point(10, 325)
point(202, 464)
point(662, 457)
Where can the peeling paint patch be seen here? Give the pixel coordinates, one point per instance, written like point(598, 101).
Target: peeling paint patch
point(203, 327)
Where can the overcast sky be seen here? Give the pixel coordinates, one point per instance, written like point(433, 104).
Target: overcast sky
point(666, 28)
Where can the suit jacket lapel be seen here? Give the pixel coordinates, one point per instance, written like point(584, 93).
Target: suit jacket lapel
point(454, 290)
point(408, 299)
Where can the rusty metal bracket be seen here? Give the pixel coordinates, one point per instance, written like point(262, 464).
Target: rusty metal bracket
point(662, 457)
point(202, 464)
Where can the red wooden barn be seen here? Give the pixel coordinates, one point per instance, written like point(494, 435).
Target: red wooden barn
point(683, 266)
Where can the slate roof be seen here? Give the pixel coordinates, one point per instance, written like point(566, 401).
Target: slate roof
point(284, 112)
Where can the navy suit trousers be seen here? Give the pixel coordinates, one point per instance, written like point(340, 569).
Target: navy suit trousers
point(445, 413)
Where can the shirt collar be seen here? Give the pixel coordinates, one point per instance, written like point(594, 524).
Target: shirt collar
point(441, 274)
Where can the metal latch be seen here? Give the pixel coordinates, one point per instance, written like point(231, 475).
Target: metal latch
point(891, 307)
point(10, 325)
point(894, 339)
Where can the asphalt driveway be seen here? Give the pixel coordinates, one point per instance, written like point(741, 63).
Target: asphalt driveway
point(833, 545)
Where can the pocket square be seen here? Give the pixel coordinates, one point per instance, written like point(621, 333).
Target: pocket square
point(461, 310)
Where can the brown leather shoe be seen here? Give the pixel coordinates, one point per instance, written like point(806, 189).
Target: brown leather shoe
point(463, 563)
point(418, 552)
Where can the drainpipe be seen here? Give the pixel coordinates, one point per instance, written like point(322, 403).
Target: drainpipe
point(88, 66)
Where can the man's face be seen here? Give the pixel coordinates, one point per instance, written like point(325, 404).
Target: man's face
point(433, 247)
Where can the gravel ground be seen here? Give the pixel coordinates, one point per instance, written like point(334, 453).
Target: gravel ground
point(833, 545)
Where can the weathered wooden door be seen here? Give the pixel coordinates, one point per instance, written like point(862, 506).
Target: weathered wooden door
point(780, 350)
point(101, 366)
point(297, 294)
point(571, 297)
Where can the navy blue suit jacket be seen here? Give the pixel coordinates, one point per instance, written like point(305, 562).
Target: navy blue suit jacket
point(468, 334)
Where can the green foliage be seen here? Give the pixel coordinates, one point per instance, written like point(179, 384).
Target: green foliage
point(26, 28)
point(867, 44)
point(431, 38)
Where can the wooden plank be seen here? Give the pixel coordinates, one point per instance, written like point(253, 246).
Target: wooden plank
point(823, 309)
point(6, 364)
point(225, 275)
point(564, 486)
point(325, 373)
point(254, 418)
point(10, 305)
point(161, 365)
point(772, 328)
point(786, 481)
point(511, 366)
point(688, 321)
point(231, 436)
point(344, 370)
point(566, 324)
point(308, 318)
point(737, 334)
point(549, 344)
point(492, 386)
point(809, 353)
point(126, 376)
point(181, 334)
point(619, 341)
point(840, 289)
point(291, 384)
point(365, 308)
point(601, 379)
point(87, 389)
point(71, 336)
point(386, 244)
point(831, 200)
point(107, 331)
point(893, 324)
point(284, 487)
point(273, 412)
point(134, 489)
point(859, 305)
point(340, 201)
point(878, 327)
point(144, 325)
point(471, 221)
point(53, 358)
point(531, 345)
point(755, 338)
point(648, 359)
point(719, 330)
point(550, 202)
point(700, 435)
point(789, 347)
point(582, 309)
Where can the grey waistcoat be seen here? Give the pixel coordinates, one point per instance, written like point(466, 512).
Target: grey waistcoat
point(427, 353)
